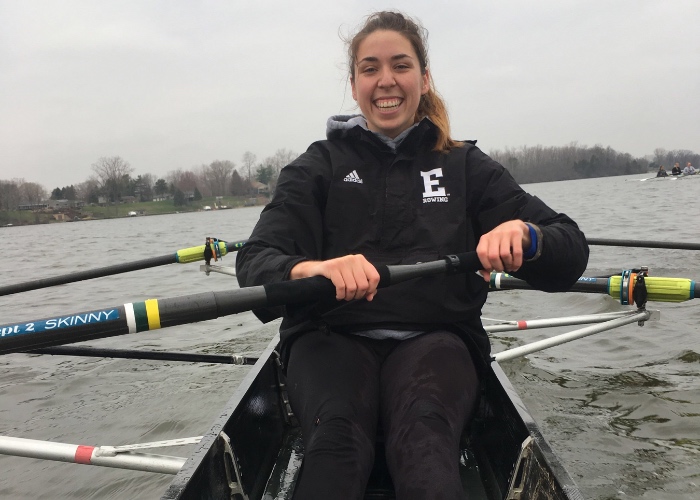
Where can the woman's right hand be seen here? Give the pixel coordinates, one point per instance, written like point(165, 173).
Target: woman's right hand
point(353, 275)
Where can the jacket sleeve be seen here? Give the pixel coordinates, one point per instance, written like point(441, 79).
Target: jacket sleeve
point(564, 251)
point(290, 229)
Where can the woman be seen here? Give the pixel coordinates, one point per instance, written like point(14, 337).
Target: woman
point(390, 186)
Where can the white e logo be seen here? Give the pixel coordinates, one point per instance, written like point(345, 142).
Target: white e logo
point(431, 181)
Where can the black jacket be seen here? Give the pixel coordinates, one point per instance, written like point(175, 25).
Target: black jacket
point(354, 195)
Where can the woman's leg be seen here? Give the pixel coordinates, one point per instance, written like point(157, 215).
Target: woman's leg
point(428, 389)
point(333, 389)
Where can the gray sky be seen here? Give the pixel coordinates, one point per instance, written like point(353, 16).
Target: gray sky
point(179, 83)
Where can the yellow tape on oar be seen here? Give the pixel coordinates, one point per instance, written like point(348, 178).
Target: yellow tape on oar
point(153, 314)
point(193, 254)
point(658, 289)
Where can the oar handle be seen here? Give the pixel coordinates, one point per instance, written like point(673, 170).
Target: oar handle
point(319, 287)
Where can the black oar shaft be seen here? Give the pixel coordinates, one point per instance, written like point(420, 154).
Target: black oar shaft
point(112, 270)
point(139, 354)
point(153, 314)
point(585, 285)
point(670, 245)
point(89, 274)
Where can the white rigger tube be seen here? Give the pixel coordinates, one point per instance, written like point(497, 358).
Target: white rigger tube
point(509, 326)
point(89, 455)
point(540, 345)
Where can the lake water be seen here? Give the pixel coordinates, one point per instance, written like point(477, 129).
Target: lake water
point(621, 408)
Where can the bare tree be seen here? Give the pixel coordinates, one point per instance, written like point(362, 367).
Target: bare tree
point(184, 180)
point(88, 189)
point(277, 162)
point(219, 172)
point(248, 164)
point(660, 156)
point(9, 194)
point(32, 193)
point(112, 171)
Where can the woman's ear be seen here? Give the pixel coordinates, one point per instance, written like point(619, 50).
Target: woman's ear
point(352, 86)
point(426, 82)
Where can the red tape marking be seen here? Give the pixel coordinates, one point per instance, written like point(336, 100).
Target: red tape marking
point(83, 454)
point(522, 325)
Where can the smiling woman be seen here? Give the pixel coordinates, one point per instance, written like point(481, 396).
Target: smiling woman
point(390, 186)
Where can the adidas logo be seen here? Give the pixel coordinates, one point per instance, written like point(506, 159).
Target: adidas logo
point(353, 177)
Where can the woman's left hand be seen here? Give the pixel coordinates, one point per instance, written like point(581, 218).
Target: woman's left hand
point(501, 249)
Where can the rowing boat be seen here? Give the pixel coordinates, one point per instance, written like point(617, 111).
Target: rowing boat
point(254, 451)
point(671, 177)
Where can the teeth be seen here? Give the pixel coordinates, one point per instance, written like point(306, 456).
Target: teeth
point(388, 104)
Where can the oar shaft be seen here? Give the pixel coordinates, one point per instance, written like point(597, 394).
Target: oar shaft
point(181, 256)
point(128, 318)
point(188, 357)
point(89, 274)
point(671, 245)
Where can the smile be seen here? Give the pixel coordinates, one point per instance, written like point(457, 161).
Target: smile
point(388, 103)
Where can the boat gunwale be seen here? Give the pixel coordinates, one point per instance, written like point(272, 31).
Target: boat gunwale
point(194, 463)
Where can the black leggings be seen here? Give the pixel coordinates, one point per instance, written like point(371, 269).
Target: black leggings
point(422, 390)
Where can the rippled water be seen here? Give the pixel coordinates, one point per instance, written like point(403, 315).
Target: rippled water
point(622, 408)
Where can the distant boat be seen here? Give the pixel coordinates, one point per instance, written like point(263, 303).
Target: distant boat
point(207, 207)
point(671, 177)
point(132, 214)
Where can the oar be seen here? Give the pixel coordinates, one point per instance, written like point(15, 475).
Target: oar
point(183, 256)
point(643, 244)
point(618, 287)
point(160, 313)
point(189, 357)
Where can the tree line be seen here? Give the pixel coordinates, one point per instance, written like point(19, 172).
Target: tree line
point(530, 164)
point(113, 179)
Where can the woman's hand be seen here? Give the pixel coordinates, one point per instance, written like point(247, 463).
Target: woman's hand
point(353, 276)
point(501, 249)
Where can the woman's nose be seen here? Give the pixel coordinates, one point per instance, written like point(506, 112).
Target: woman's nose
point(386, 79)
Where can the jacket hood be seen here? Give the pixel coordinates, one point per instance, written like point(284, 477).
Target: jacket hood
point(338, 125)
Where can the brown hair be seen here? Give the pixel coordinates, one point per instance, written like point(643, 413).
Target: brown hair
point(431, 104)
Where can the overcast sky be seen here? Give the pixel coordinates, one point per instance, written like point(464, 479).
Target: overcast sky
point(175, 84)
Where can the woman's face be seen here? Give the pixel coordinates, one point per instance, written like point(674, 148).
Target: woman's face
point(388, 82)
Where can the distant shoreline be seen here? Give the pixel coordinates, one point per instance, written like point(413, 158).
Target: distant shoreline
point(15, 218)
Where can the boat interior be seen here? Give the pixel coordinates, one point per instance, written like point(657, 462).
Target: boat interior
point(254, 449)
